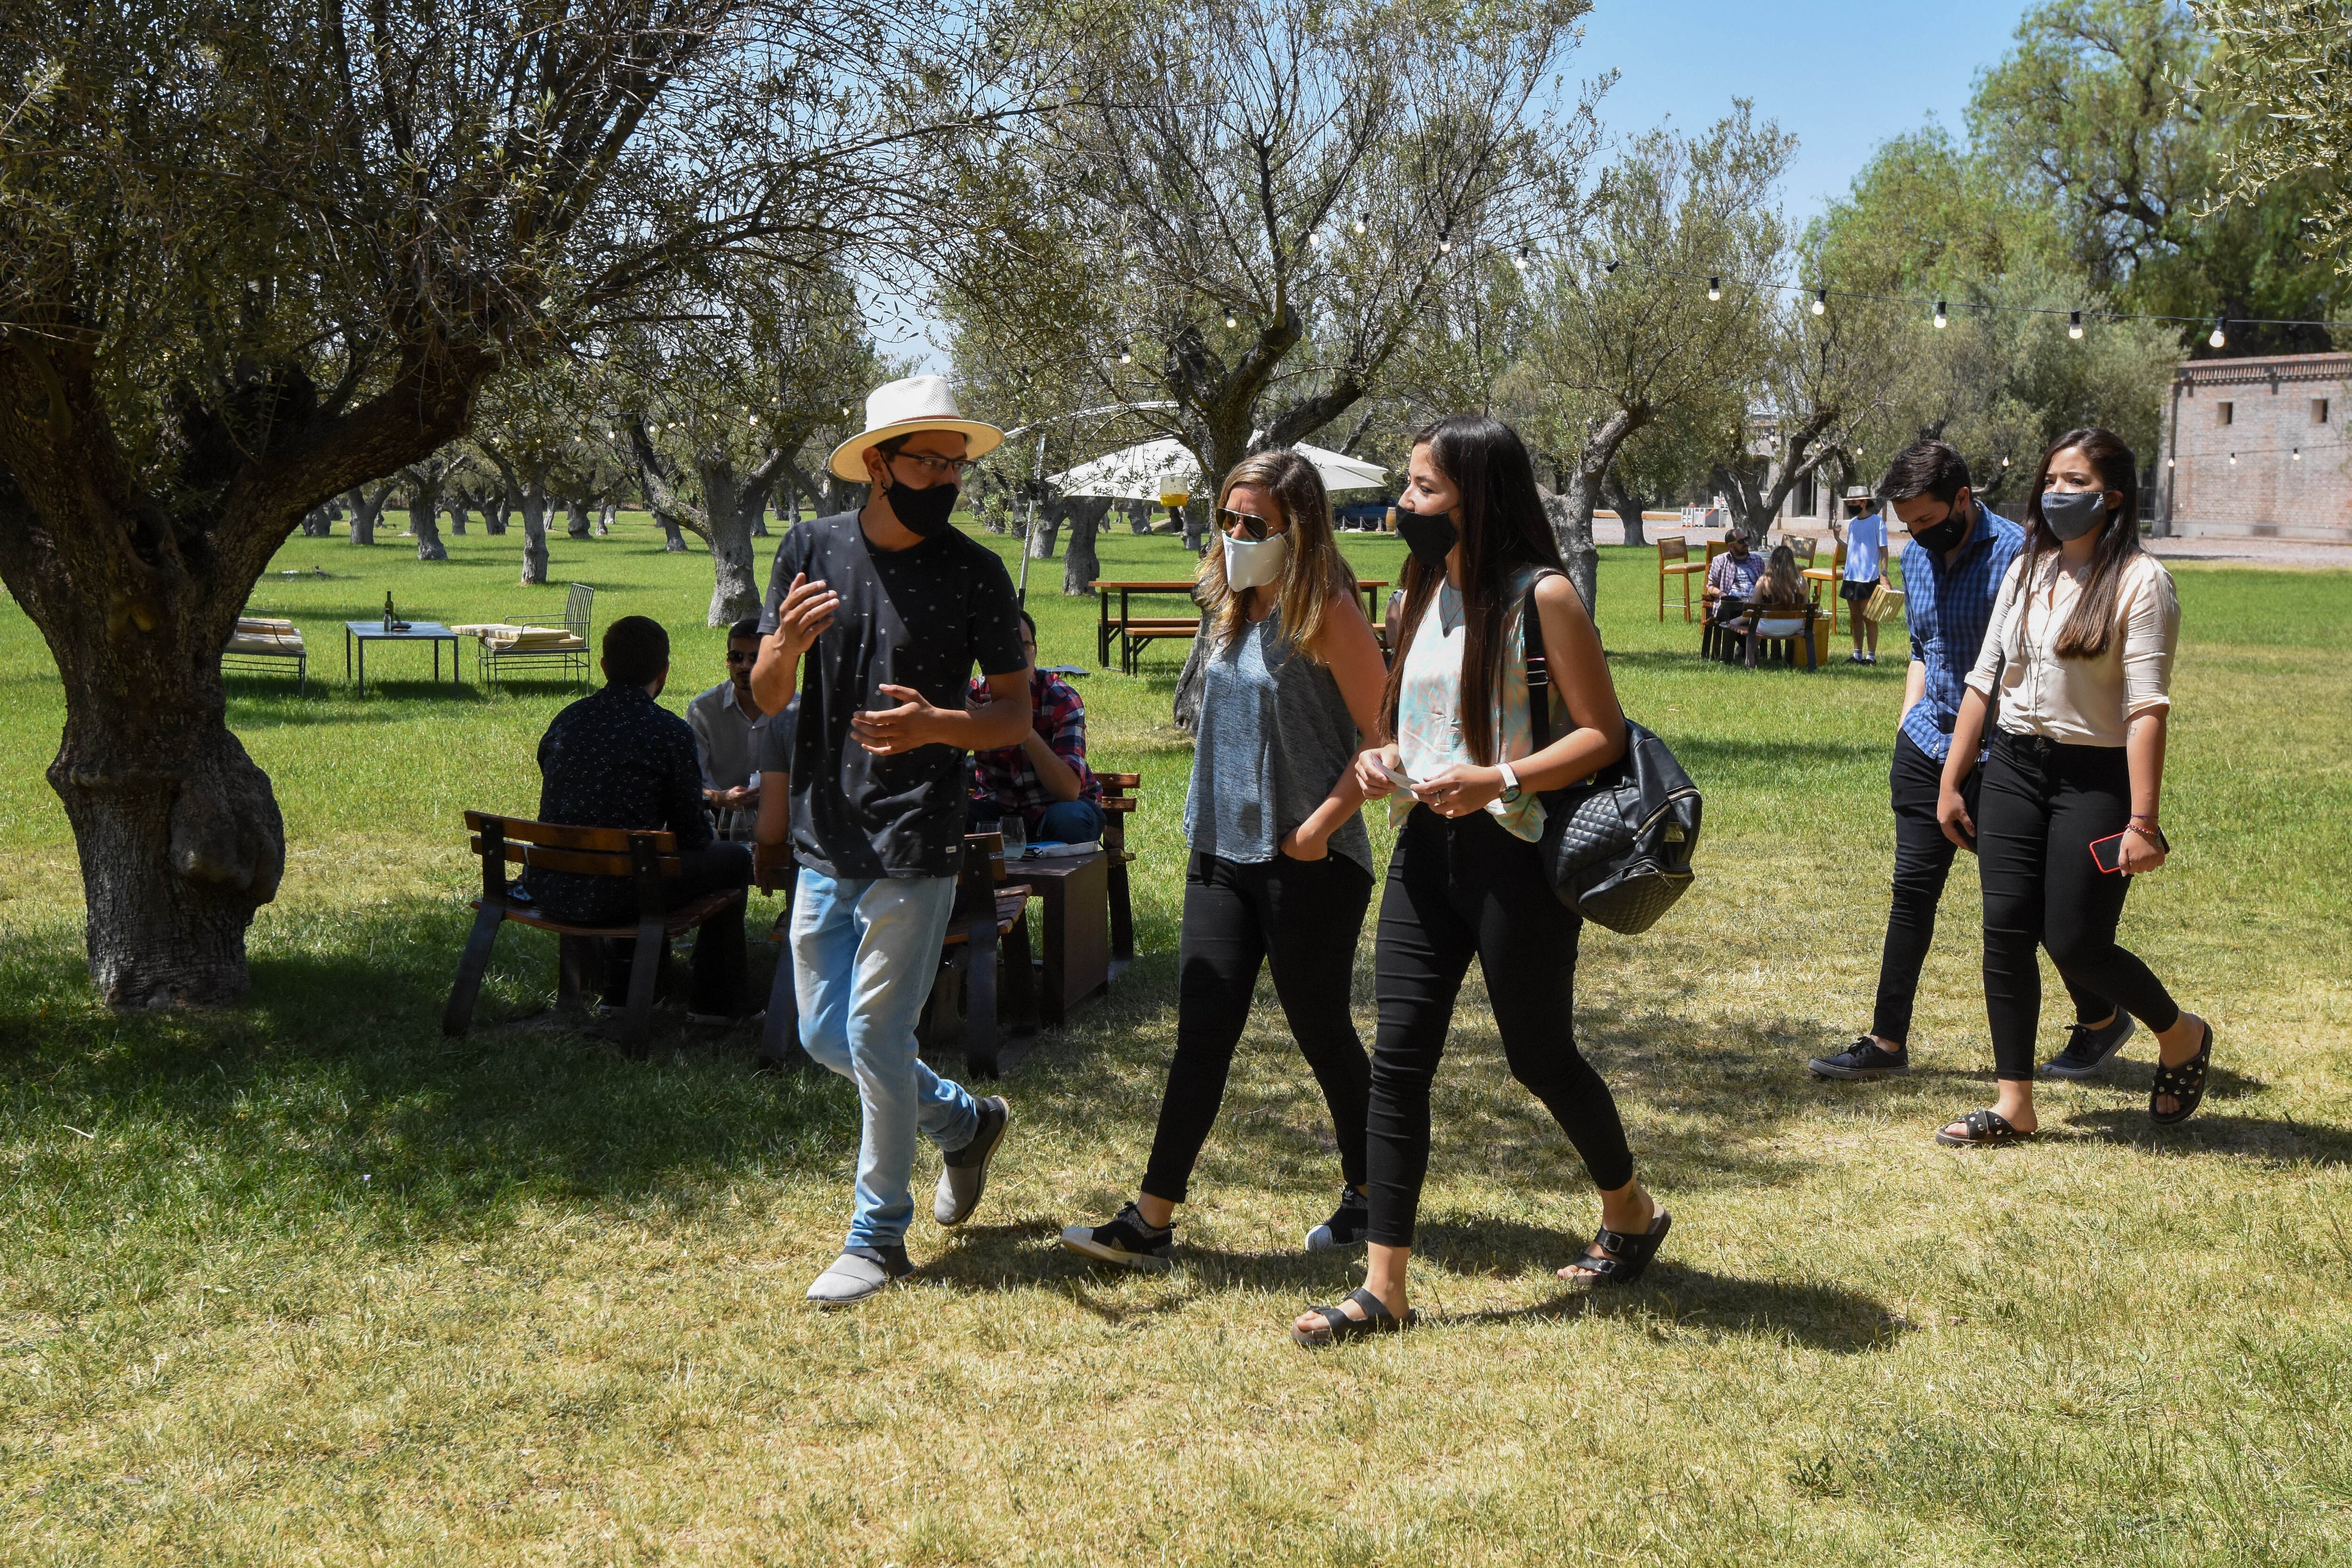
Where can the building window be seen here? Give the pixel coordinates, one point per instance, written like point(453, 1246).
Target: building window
point(2226, 412)
point(2319, 411)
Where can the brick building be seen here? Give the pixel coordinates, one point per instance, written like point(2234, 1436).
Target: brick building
point(2256, 449)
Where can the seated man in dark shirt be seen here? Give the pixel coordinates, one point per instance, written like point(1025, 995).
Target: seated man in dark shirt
point(618, 759)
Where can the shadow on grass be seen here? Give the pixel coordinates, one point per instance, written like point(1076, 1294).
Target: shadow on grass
point(1692, 1301)
point(2281, 1142)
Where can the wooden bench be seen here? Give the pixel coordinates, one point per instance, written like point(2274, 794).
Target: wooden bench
point(644, 856)
point(1118, 803)
point(990, 924)
point(1134, 635)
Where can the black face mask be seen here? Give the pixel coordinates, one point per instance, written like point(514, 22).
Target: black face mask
point(925, 512)
point(1947, 533)
point(1430, 538)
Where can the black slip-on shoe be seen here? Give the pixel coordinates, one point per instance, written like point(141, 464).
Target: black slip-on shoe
point(2089, 1050)
point(1863, 1061)
point(1126, 1241)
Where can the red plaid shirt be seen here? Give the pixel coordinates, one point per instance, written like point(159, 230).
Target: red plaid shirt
point(1007, 779)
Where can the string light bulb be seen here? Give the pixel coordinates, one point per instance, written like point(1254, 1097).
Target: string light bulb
point(1126, 356)
point(1313, 237)
point(1232, 320)
point(2075, 325)
point(1359, 221)
point(1715, 288)
point(2233, 459)
point(2298, 454)
point(2172, 462)
point(1943, 318)
point(1821, 301)
point(2004, 462)
point(1520, 260)
point(2220, 339)
point(1445, 248)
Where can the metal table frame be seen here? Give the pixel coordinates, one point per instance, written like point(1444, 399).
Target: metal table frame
point(365, 632)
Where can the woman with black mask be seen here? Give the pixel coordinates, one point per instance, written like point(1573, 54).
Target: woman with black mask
point(2079, 659)
point(1465, 881)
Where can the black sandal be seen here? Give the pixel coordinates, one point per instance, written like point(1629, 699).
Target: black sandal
point(1985, 1129)
point(2185, 1084)
point(1623, 1256)
point(1339, 1326)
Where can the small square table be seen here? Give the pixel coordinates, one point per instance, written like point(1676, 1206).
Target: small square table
point(1073, 891)
point(366, 632)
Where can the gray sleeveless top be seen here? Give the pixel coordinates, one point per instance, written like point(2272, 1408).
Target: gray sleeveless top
point(1275, 736)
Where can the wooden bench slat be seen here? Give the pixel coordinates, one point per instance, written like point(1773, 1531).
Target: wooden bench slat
point(562, 836)
point(678, 923)
point(579, 862)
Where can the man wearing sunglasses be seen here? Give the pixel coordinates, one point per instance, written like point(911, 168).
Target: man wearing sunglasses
point(890, 608)
point(727, 721)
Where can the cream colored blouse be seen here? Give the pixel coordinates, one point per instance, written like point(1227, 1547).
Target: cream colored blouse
point(2078, 701)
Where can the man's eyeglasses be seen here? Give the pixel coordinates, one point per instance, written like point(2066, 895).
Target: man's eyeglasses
point(936, 468)
point(737, 655)
point(1252, 526)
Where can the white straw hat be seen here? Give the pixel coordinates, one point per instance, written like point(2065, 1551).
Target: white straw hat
point(908, 407)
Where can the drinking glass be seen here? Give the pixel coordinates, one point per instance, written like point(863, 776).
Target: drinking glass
point(1016, 837)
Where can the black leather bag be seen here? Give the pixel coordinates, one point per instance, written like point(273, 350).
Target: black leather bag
point(1617, 847)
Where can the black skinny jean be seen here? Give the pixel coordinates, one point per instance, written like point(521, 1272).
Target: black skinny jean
point(2043, 805)
point(720, 957)
point(1923, 859)
point(1459, 889)
point(1302, 917)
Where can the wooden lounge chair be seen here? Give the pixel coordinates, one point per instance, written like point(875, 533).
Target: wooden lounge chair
point(264, 645)
point(522, 644)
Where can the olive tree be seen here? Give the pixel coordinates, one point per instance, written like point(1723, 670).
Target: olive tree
point(254, 255)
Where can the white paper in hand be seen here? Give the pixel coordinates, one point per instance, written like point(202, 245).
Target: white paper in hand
point(1396, 776)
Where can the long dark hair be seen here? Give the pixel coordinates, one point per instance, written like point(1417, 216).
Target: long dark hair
point(2091, 623)
point(1504, 531)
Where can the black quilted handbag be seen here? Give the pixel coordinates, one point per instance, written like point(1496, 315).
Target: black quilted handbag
point(1617, 847)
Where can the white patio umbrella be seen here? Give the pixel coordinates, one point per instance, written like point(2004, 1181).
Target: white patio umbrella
point(1152, 468)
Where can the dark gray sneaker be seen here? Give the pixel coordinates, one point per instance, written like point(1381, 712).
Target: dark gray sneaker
point(966, 1175)
point(2088, 1051)
point(1126, 1241)
point(1863, 1061)
point(1345, 1230)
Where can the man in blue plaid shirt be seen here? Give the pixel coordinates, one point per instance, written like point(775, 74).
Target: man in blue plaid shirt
point(1952, 570)
point(1044, 780)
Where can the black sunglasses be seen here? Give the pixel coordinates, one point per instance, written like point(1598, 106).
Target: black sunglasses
point(735, 656)
point(1253, 526)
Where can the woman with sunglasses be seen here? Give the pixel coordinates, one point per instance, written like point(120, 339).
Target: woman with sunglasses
point(1281, 870)
point(1465, 881)
point(2079, 659)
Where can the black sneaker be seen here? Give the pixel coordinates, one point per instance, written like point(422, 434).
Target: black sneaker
point(1126, 1241)
point(1346, 1227)
point(2089, 1050)
point(1863, 1060)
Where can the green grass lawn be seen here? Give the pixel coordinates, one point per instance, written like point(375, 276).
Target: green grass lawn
point(305, 1282)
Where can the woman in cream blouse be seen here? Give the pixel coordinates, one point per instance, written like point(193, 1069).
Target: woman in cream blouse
point(2076, 665)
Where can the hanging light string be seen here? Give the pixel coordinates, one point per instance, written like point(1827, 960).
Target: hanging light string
point(2292, 453)
point(1822, 296)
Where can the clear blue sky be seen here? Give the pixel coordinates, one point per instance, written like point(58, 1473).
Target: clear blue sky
point(1844, 75)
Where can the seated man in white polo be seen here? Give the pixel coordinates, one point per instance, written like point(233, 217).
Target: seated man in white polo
point(727, 721)
point(892, 607)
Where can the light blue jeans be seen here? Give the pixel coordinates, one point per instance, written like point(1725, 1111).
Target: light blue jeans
point(864, 953)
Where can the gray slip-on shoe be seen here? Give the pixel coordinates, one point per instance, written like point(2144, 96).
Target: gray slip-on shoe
point(859, 1274)
point(966, 1175)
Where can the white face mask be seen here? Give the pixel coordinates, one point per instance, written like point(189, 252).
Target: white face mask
point(1254, 562)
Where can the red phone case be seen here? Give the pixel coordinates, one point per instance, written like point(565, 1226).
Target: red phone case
point(2107, 853)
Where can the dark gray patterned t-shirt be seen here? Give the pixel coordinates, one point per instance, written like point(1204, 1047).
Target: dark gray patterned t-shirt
point(920, 617)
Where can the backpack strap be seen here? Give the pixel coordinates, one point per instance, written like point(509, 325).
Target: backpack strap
point(1539, 667)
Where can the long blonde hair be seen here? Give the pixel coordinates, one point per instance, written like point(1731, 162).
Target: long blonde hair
point(1314, 573)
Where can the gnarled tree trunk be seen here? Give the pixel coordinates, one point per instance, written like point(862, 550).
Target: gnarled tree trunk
point(367, 509)
point(1570, 511)
point(577, 522)
point(424, 511)
point(1080, 566)
point(457, 515)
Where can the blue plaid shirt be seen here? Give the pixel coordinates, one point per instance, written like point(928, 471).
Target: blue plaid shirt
point(1948, 607)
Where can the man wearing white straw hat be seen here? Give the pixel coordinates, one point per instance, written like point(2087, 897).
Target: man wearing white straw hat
point(890, 608)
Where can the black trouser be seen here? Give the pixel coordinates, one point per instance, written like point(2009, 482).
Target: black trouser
point(1303, 918)
point(1459, 889)
point(721, 959)
point(2045, 804)
point(1922, 859)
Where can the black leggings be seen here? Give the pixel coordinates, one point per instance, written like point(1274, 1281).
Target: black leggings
point(1923, 857)
point(2043, 804)
point(1303, 917)
point(1459, 889)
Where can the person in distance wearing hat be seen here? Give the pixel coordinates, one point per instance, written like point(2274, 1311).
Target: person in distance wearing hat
point(891, 607)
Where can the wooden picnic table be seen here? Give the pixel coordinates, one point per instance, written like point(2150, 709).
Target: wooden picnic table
point(1133, 631)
